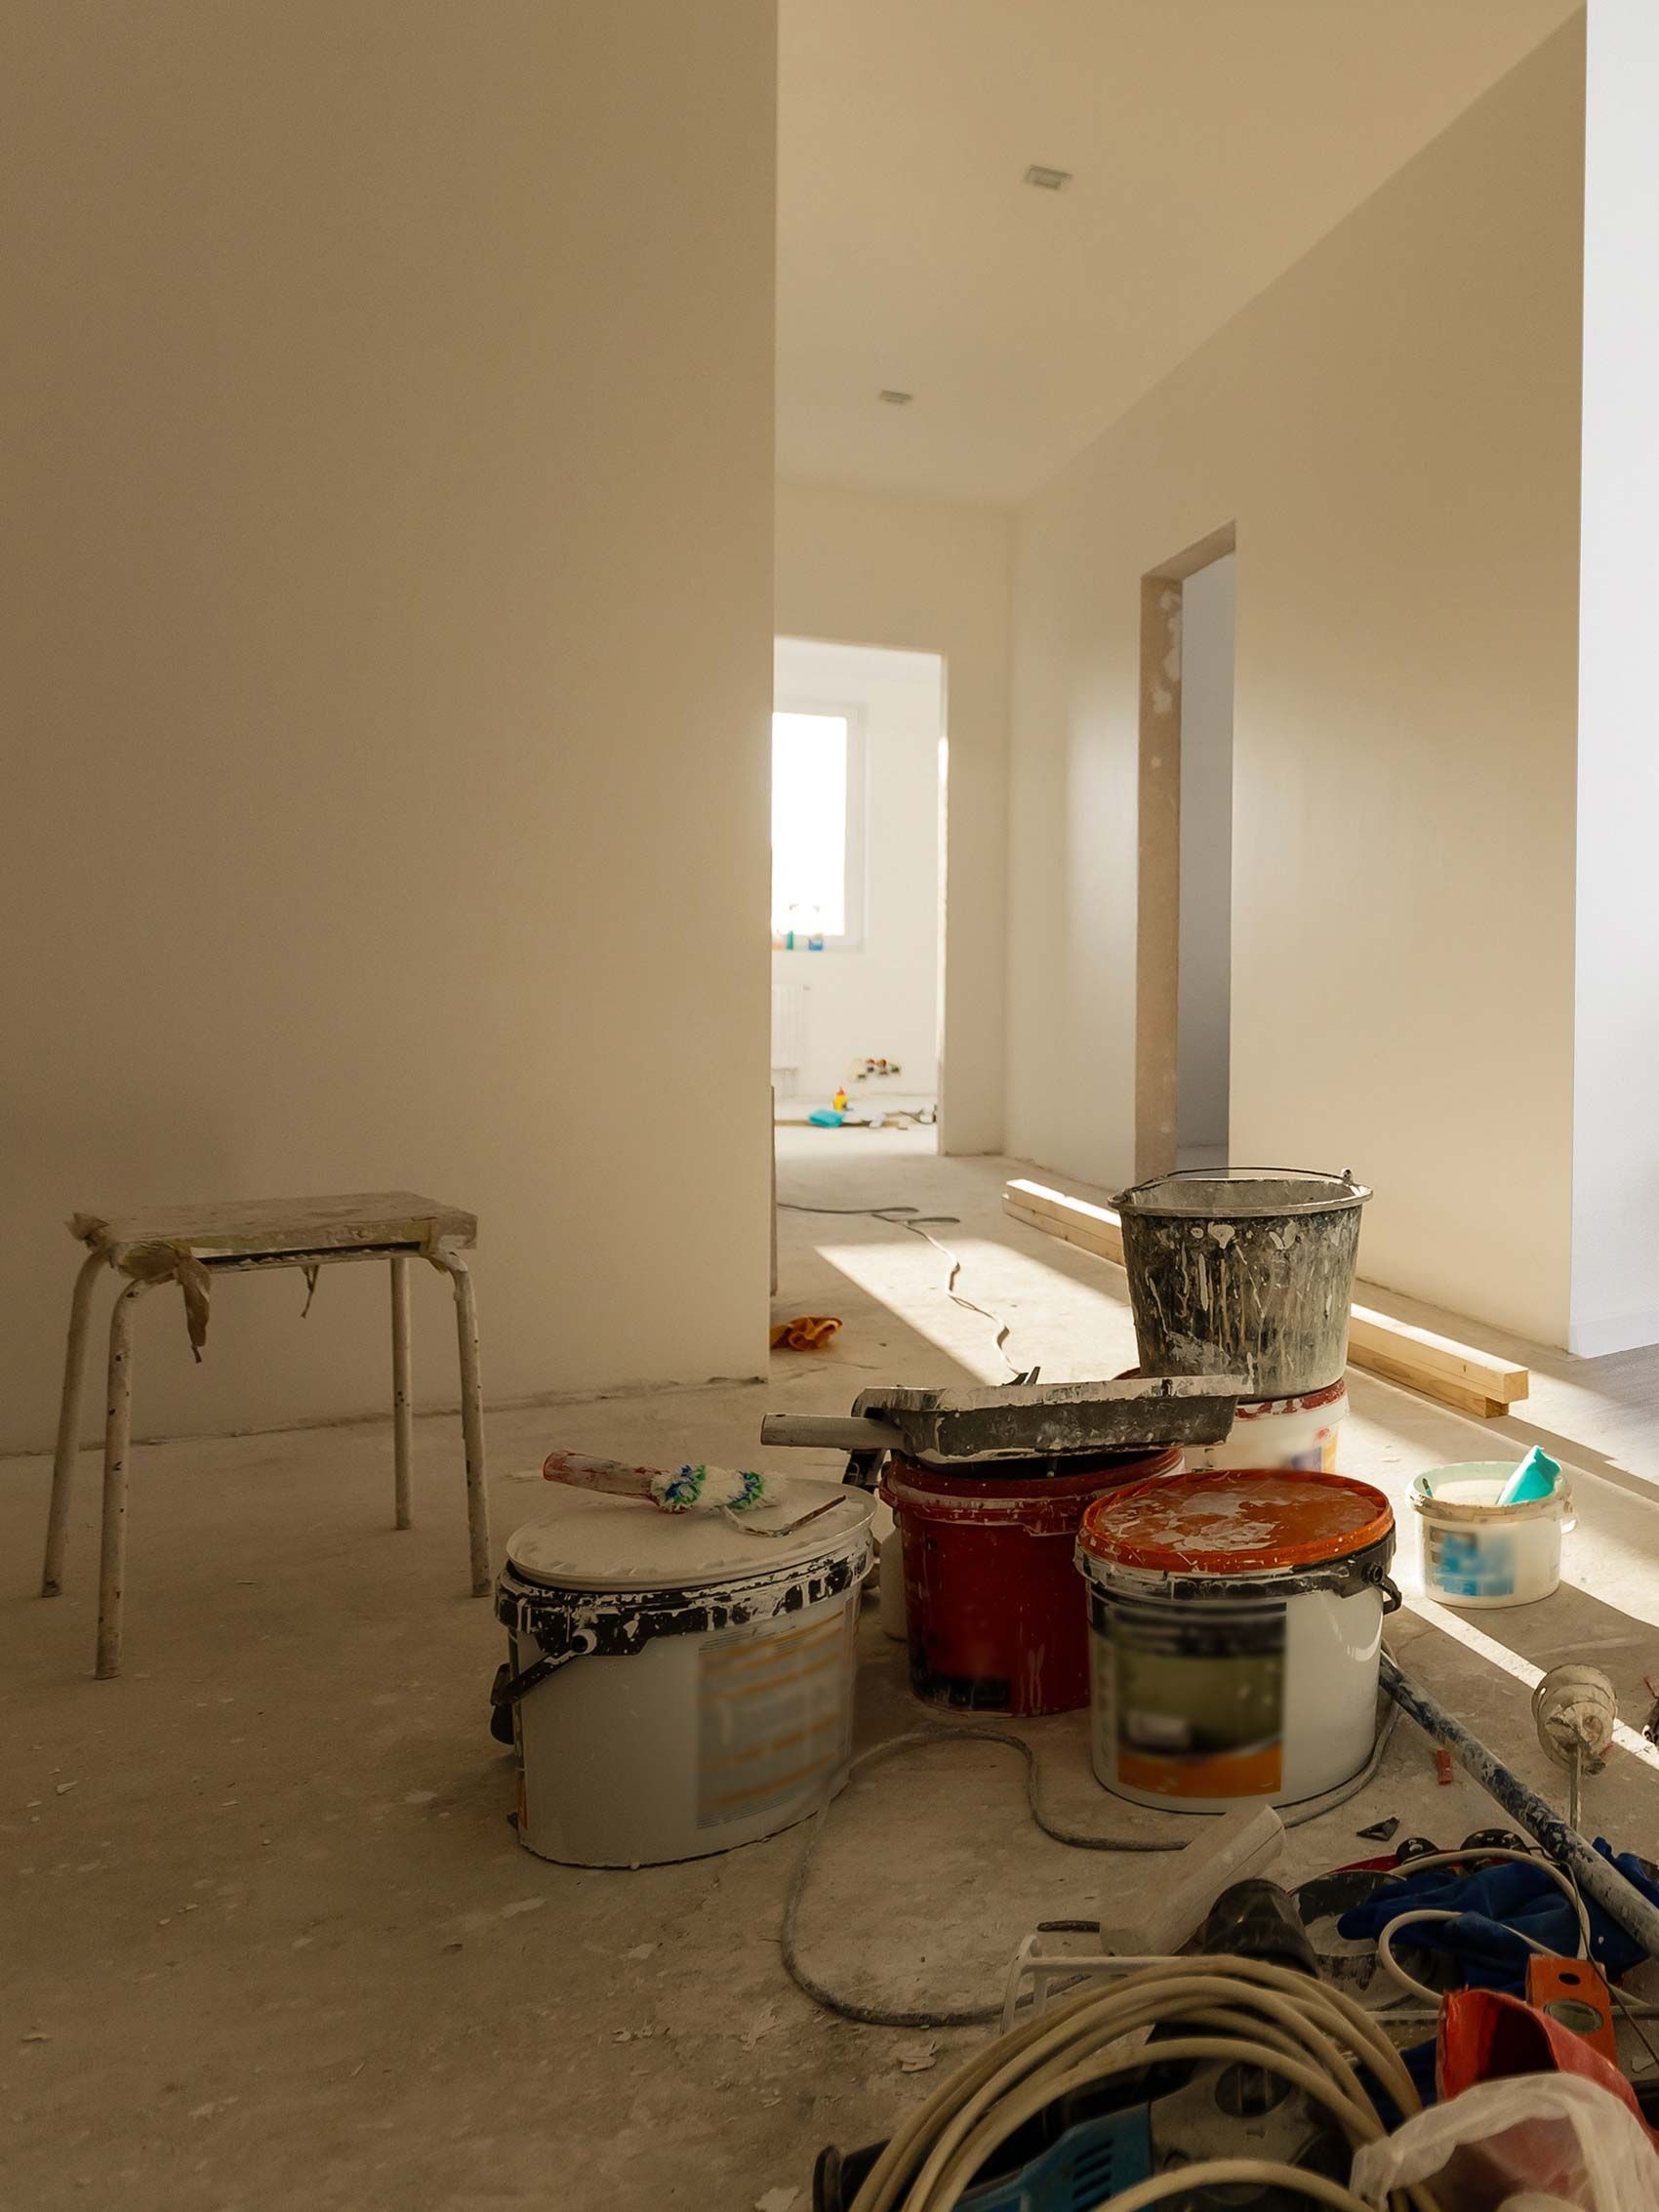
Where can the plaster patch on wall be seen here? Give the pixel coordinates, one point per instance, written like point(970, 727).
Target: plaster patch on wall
point(1170, 603)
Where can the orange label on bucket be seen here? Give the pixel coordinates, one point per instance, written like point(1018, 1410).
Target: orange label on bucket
point(1192, 1699)
point(774, 1715)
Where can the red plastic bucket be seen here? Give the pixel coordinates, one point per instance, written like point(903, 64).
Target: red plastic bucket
point(994, 1622)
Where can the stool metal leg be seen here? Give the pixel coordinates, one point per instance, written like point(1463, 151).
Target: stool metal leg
point(471, 1418)
point(117, 1451)
point(68, 1427)
point(402, 1410)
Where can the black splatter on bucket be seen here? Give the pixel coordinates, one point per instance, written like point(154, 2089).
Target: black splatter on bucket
point(1244, 1271)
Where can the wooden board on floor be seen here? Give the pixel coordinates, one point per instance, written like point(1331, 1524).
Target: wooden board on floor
point(1436, 1367)
point(1101, 1231)
point(1375, 1338)
point(1080, 1240)
point(1440, 1387)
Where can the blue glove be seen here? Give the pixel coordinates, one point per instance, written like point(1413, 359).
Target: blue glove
point(1496, 1905)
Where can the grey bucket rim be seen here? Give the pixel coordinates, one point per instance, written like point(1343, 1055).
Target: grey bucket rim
point(1346, 1195)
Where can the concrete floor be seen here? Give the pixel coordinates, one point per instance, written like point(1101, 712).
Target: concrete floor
point(279, 1949)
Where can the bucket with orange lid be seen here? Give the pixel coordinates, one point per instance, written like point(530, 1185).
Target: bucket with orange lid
point(1235, 1621)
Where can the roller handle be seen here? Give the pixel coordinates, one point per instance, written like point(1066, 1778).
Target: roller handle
point(830, 1432)
point(611, 1476)
point(738, 1489)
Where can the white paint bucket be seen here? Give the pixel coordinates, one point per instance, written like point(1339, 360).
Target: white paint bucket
point(1280, 1432)
point(679, 1684)
point(1236, 1623)
point(1476, 1553)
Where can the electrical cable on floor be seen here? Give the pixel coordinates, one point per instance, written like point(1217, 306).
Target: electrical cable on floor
point(1242, 2011)
point(973, 2016)
point(1634, 2014)
point(1562, 1877)
point(1430, 1859)
point(913, 1218)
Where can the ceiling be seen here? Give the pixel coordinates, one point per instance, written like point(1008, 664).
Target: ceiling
point(1211, 143)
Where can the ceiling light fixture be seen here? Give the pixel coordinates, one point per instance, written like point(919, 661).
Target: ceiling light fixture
point(896, 398)
point(1048, 179)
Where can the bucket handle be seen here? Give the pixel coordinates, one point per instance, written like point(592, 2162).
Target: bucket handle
point(1383, 1582)
point(1223, 1174)
point(507, 1688)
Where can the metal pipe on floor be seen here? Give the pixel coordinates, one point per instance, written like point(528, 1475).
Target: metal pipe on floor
point(1596, 1876)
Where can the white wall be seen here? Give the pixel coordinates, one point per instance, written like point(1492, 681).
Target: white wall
point(1208, 600)
point(1615, 1280)
point(877, 999)
point(389, 671)
point(931, 577)
point(1393, 426)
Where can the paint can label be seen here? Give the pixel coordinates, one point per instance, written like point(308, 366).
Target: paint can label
point(1470, 1562)
point(1190, 1700)
point(774, 1715)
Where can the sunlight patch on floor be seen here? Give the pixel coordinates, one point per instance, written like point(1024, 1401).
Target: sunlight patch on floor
point(1043, 1306)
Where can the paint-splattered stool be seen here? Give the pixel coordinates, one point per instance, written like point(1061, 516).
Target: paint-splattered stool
point(189, 1246)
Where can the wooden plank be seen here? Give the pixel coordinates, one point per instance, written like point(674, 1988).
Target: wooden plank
point(1448, 1393)
point(1372, 1335)
point(1436, 1367)
point(1075, 1234)
point(1070, 1213)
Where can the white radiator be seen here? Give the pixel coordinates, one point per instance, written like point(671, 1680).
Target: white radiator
point(788, 1037)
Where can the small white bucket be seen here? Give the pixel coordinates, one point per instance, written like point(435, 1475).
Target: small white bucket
point(1476, 1553)
point(679, 1683)
point(1280, 1432)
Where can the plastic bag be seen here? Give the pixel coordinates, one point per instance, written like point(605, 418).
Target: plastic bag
point(1532, 2143)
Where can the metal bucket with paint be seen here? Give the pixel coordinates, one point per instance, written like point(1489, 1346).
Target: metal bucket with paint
point(1236, 1623)
point(1476, 1553)
point(679, 1682)
point(991, 1608)
point(1244, 1271)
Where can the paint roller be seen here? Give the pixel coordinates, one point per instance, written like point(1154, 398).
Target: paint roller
point(681, 1490)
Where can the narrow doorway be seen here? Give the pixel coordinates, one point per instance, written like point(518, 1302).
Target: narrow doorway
point(1184, 877)
point(857, 761)
point(1204, 970)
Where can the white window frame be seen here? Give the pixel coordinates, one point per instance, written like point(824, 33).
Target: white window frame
point(856, 884)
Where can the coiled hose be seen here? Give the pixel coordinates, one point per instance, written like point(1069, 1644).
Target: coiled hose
point(1241, 2010)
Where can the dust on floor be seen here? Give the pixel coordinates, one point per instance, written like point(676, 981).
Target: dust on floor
point(277, 1946)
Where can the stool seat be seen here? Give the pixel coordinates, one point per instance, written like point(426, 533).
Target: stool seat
point(270, 1225)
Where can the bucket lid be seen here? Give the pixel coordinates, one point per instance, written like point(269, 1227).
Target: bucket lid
point(588, 1542)
point(1242, 1521)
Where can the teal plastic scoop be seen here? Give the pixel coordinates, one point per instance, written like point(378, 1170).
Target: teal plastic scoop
point(1535, 1477)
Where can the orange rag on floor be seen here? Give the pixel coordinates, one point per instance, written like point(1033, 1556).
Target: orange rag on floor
point(807, 1332)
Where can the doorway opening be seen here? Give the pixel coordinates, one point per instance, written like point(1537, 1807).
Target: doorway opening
point(1184, 953)
point(1203, 989)
point(858, 757)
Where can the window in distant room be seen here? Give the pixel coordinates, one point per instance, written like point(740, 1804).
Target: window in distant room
point(817, 841)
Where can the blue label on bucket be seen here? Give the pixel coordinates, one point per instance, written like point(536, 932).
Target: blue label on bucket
point(1470, 1565)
